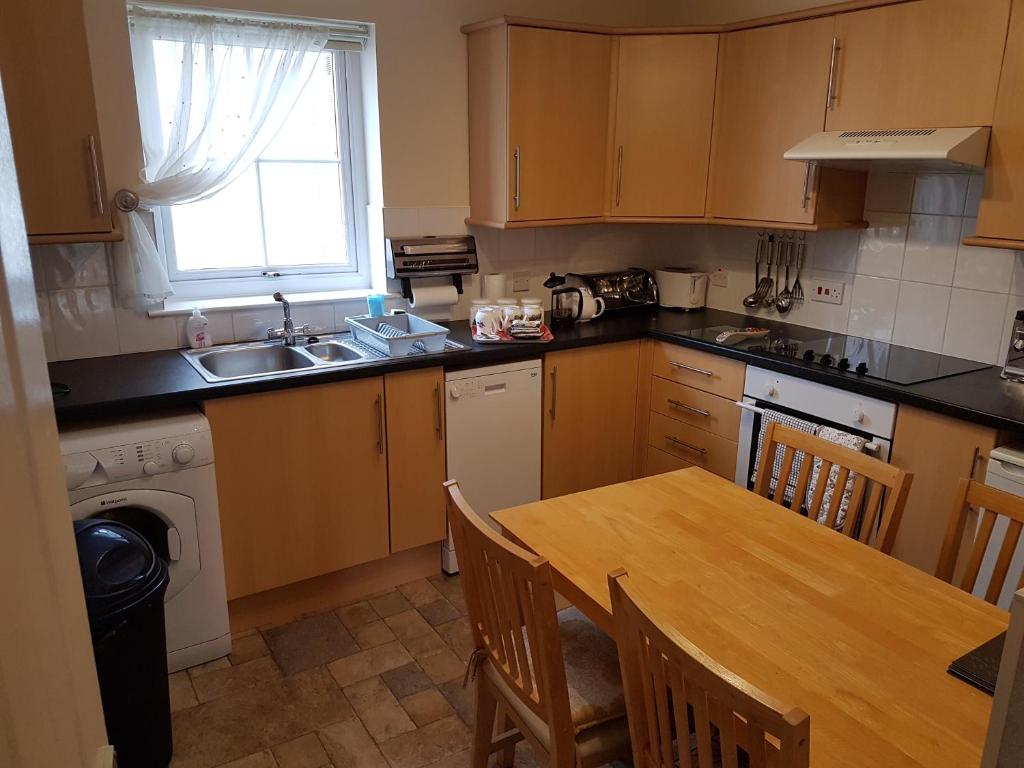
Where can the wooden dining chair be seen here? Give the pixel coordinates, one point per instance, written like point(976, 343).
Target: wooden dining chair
point(555, 675)
point(872, 517)
point(680, 701)
point(992, 504)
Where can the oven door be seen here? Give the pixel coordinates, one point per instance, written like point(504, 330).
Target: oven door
point(750, 431)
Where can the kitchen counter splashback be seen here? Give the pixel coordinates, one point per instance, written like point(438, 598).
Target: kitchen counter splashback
point(141, 383)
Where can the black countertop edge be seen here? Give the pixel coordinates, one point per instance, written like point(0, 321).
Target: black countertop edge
point(133, 384)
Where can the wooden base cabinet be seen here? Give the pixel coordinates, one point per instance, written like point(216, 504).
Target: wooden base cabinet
point(302, 482)
point(589, 417)
point(939, 450)
point(416, 457)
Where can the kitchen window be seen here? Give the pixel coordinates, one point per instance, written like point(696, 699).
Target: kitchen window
point(296, 218)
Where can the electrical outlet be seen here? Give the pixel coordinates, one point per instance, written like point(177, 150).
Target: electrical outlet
point(520, 281)
point(720, 278)
point(827, 291)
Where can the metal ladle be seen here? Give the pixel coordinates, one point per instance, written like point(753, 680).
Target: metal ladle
point(784, 302)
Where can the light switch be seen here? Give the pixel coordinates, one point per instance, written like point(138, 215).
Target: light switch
point(520, 281)
point(720, 278)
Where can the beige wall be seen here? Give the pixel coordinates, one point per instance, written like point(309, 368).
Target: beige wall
point(421, 59)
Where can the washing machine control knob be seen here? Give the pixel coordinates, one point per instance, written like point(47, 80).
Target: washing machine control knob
point(183, 453)
point(150, 467)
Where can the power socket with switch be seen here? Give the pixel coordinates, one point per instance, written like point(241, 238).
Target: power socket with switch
point(520, 281)
point(827, 291)
point(720, 278)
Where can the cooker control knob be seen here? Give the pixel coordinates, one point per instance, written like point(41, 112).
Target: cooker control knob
point(771, 391)
point(809, 355)
point(860, 417)
point(862, 368)
point(183, 453)
point(826, 360)
point(454, 392)
point(1018, 344)
point(150, 468)
point(843, 365)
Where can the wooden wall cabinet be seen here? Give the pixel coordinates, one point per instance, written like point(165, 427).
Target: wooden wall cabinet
point(1001, 215)
point(939, 450)
point(538, 132)
point(589, 417)
point(664, 105)
point(924, 64)
point(771, 93)
point(302, 482)
point(416, 456)
point(47, 83)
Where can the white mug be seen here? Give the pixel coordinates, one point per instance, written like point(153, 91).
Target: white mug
point(533, 313)
point(488, 320)
point(510, 312)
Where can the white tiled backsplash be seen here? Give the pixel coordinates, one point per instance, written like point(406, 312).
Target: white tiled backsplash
point(908, 279)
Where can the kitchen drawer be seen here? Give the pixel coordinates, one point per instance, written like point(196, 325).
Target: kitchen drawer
point(703, 449)
point(696, 408)
point(657, 462)
point(701, 370)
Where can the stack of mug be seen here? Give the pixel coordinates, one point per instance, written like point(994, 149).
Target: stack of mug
point(518, 320)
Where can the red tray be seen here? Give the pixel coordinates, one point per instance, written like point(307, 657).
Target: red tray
point(504, 338)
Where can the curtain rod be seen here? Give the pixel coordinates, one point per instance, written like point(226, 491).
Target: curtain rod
point(335, 27)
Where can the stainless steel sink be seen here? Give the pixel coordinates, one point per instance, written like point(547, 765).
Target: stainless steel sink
point(269, 358)
point(334, 352)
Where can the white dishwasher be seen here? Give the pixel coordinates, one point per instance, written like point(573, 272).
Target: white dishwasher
point(493, 435)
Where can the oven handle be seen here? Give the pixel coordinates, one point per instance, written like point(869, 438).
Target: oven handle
point(872, 448)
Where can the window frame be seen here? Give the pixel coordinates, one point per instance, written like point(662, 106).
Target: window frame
point(229, 282)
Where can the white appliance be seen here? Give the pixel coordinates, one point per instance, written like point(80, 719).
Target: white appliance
point(493, 423)
point(681, 288)
point(157, 476)
point(1006, 473)
point(915, 148)
point(818, 403)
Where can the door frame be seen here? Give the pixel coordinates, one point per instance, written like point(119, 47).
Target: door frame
point(50, 710)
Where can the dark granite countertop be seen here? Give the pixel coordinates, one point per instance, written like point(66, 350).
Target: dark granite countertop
point(141, 383)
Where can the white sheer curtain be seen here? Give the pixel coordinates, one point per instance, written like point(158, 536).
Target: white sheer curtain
point(212, 92)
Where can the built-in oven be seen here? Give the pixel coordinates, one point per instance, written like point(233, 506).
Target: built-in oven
point(765, 391)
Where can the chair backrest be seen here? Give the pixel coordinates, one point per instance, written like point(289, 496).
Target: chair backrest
point(875, 499)
point(511, 604)
point(673, 689)
point(995, 503)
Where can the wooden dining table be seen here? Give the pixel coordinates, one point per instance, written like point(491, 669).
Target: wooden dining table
point(858, 639)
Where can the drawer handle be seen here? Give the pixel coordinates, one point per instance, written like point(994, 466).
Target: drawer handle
point(690, 408)
point(437, 412)
point(684, 444)
point(685, 367)
point(379, 409)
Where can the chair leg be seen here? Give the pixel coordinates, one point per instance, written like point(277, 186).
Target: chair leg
point(483, 728)
point(508, 754)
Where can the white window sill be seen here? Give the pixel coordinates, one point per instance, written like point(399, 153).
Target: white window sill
point(174, 307)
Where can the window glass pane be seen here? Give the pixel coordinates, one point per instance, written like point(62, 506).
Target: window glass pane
point(221, 232)
point(311, 130)
point(303, 213)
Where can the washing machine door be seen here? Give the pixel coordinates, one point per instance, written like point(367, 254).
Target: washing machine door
point(166, 519)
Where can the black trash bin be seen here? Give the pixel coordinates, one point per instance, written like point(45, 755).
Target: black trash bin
point(125, 582)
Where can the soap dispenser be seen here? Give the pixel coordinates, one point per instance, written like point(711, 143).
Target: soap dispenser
point(197, 328)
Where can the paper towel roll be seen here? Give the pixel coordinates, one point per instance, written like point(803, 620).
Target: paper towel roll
point(494, 286)
point(434, 296)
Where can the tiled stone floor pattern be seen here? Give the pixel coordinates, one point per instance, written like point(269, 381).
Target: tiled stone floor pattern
point(373, 684)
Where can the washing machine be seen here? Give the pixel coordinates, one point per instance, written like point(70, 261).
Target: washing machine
point(157, 476)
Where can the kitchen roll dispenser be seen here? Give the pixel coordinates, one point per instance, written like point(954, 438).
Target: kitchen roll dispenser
point(438, 256)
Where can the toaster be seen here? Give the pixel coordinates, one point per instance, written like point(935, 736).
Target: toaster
point(682, 288)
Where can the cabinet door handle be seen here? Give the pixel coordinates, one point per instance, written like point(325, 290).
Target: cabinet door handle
point(830, 97)
point(94, 171)
point(378, 406)
point(808, 176)
point(684, 444)
point(690, 408)
point(618, 180)
point(686, 367)
point(437, 411)
point(517, 197)
point(974, 462)
point(554, 391)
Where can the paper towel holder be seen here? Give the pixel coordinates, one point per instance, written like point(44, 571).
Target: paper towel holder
point(409, 258)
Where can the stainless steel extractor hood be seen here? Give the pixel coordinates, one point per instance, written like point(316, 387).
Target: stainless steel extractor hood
point(913, 148)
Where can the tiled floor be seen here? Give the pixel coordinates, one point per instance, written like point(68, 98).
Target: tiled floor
point(374, 684)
